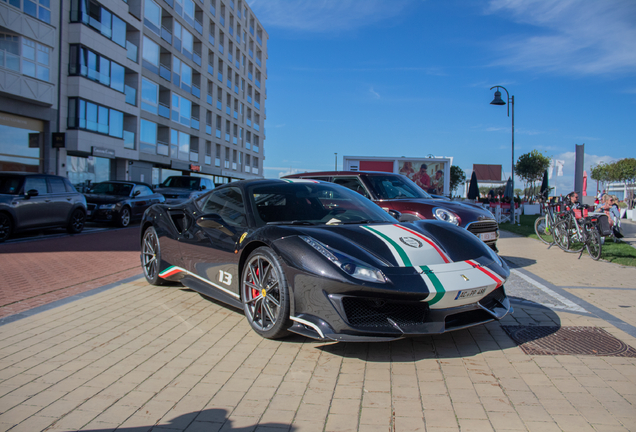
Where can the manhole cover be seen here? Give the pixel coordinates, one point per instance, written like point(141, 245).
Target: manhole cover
point(540, 340)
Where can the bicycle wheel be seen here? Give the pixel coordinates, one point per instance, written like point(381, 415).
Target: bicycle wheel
point(562, 234)
point(543, 230)
point(593, 242)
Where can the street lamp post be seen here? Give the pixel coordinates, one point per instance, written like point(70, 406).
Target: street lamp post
point(511, 101)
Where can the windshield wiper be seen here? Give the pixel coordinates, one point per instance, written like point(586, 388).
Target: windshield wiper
point(294, 222)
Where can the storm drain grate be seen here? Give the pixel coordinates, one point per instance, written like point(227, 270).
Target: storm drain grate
point(543, 340)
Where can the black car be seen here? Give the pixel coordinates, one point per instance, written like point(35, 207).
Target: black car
point(320, 260)
point(36, 201)
point(120, 201)
point(178, 189)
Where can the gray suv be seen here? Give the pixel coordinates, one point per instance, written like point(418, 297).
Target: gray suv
point(178, 189)
point(33, 201)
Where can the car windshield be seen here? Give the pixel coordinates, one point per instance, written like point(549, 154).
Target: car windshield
point(309, 203)
point(395, 187)
point(10, 185)
point(108, 188)
point(191, 183)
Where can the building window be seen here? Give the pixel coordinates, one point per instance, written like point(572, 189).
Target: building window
point(152, 16)
point(92, 14)
point(181, 110)
point(150, 55)
point(24, 55)
point(89, 116)
point(40, 9)
point(149, 96)
point(147, 136)
point(86, 63)
point(179, 145)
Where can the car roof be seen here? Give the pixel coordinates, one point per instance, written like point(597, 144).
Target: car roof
point(338, 173)
point(126, 182)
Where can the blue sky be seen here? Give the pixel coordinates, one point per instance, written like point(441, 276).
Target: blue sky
point(412, 77)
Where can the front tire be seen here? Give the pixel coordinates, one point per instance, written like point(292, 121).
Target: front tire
point(593, 243)
point(124, 217)
point(265, 294)
point(151, 257)
point(76, 222)
point(6, 227)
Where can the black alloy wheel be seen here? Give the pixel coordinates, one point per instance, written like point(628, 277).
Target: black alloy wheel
point(265, 294)
point(6, 226)
point(124, 217)
point(76, 222)
point(151, 257)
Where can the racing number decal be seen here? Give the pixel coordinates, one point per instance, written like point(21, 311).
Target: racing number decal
point(225, 277)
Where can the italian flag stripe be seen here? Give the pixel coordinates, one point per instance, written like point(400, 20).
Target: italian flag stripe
point(487, 272)
point(172, 270)
point(397, 249)
point(436, 284)
point(429, 241)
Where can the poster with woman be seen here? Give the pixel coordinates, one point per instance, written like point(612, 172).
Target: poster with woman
point(428, 175)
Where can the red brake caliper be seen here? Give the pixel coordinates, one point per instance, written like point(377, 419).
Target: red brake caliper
point(255, 291)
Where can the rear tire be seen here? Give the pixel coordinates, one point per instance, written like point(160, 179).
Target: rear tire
point(593, 243)
point(6, 226)
point(151, 257)
point(76, 222)
point(542, 231)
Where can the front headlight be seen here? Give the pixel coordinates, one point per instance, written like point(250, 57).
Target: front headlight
point(446, 216)
point(108, 206)
point(348, 264)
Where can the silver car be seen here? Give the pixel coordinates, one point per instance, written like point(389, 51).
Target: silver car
point(34, 201)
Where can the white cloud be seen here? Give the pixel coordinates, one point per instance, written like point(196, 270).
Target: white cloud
point(325, 16)
point(374, 93)
point(579, 37)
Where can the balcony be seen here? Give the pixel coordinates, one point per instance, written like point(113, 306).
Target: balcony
point(131, 51)
point(221, 49)
point(249, 99)
point(219, 105)
point(236, 89)
point(259, 40)
point(194, 123)
point(208, 129)
point(208, 99)
point(162, 148)
point(217, 162)
point(164, 110)
point(252, 30)
point(258, 83)
point(198, 26)
point(166, 35)
point(129, 140)
point(258, 61)
point(227, 110)
point(229, 56)
point(211, 69)
point(248, 122)
point(234, 141)
point(196, 58)
point(196, 90)
point(227, 138)
point(251, 53)
point(231, 31)
point(131, 95)
point(229, 83)
point(222, 21)
point(250, 76)
point(257, 105)
point(212, 10)
point(219, 76)
point(208, 159)
point(237, 64)
point(236, 115)
point(211, 39)
point(218, 133)
point(164, 71)
point(257, 127)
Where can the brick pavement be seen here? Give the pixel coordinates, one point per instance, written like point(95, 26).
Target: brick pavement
point(40, 272)
point(137, 358)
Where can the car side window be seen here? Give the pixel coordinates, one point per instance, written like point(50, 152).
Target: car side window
point(69, 186)
point(37, 183)
point(352, 183)
point(57, 185)
point(227, 203)
point(143, 190)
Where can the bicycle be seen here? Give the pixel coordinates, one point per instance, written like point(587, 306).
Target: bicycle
point(544, 225)
point(576, 233)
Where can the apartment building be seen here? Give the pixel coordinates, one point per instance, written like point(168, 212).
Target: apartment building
point(152, 88)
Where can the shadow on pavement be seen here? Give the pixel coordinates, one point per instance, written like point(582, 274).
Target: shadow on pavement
point(115, 240)
point(517, 262)
point(209, 419)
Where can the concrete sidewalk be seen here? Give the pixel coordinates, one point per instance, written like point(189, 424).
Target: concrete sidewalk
point(137, 357)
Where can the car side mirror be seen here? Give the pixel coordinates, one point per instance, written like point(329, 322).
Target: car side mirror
point(136, 193)
point(202, 187)
point(214, 221)
point(396, 214)
point(32, 193)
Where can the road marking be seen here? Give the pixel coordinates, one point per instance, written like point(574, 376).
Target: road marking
point(570, 304)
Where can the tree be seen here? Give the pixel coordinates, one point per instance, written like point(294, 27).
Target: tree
point(625, 171)
point(530, 168)
point(457, 177)
point(601, 173)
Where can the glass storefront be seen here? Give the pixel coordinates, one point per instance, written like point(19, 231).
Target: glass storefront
point(15, 152)
point(84, 171)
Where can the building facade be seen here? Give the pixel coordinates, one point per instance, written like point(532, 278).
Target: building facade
point(152, 88)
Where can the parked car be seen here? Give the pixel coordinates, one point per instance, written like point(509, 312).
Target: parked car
point(178, 189)
point(397, 192)
point(34, 201)
point(317, 259)
point(120, 201)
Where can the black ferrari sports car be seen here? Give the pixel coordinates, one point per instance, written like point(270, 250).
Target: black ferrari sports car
point(320, 260)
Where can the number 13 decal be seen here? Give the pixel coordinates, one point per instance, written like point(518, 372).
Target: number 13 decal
point(225, 277)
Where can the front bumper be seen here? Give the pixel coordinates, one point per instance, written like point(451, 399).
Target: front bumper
point(369, 316)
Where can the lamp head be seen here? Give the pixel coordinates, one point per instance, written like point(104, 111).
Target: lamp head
point(497, 100)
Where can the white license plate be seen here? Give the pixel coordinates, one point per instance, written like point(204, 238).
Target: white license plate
point(488, 236)
point(470, 293)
